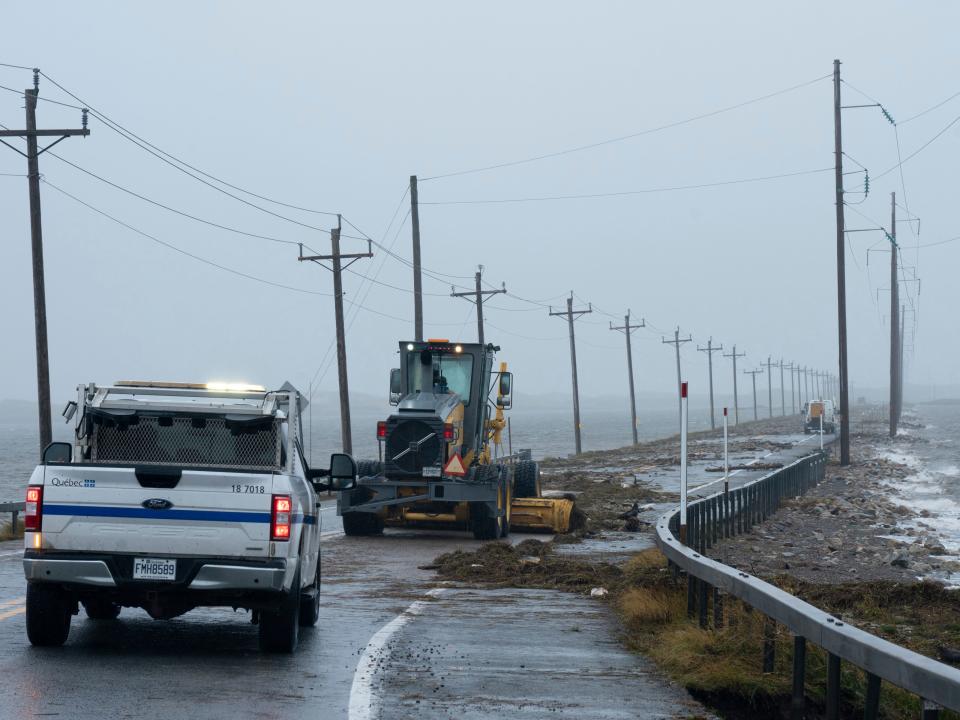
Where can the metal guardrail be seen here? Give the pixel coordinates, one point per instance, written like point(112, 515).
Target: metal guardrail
point(736, 511)
point(14, 508)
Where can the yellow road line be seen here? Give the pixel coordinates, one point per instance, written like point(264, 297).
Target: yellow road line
point(11, 613)
point(8, 603)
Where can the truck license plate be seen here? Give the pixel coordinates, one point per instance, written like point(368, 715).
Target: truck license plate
point(431, 472)
point(154, 569)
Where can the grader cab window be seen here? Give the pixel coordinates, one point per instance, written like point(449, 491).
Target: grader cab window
point(451, 373)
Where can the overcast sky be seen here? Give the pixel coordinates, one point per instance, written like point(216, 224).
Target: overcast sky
point(332, 106)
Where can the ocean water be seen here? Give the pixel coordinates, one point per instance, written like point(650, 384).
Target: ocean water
point(934, 482)
point(546, 433)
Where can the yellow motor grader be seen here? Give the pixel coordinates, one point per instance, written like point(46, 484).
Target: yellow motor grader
point(441, 457)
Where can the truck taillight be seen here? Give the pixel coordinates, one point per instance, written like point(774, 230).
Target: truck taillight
point(33, 510)
point(280, 518)
point(448, 432)
point(382, 430)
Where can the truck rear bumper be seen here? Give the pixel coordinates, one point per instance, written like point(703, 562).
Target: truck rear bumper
point(194, 574)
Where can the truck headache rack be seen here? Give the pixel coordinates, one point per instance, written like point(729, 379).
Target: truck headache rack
point(196, 442)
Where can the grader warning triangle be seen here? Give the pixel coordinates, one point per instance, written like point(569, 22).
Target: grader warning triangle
point(454, 466)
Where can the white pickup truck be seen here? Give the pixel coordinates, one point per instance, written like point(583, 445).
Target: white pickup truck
point(175, 496)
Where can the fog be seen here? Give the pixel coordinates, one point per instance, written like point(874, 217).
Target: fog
point(333, 106)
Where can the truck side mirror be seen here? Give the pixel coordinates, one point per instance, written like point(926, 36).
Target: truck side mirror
point(343, 472)
point(395, 386)
point(58, 453)
point(504, 396)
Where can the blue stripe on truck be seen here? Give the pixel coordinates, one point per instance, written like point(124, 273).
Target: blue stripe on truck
point(174, 514)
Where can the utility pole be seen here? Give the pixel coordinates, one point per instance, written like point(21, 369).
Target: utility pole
point(477, 298)
point(894, 319)
point(753, 374)
point(572, 315)
point(900, 367)
point(841, 272)
point(806, 382)
point(793, 397)
point(677, 342)
point(417, 279)
point(783, 395)
point(736, 400)
point(626, 328)
point(710, 350)
point(32, 155)
point(770, 387)
point(346, 436)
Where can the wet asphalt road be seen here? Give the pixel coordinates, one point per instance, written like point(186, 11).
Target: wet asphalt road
point(391, 643)
point(456, 652)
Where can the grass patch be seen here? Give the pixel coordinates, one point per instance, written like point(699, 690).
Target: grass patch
point(6, 532)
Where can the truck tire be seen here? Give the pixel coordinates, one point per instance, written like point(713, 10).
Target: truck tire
point(101, 610)
point(369, 468)
point(310, 602)
point(48, 615)
point(526, 479)
point(361, 524)
point(484, 525)
point(280, 626)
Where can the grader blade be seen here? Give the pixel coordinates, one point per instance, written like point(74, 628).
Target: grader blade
point(540, 515)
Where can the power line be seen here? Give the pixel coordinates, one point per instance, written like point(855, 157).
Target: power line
point(627, 193)
point(104, 118)
point(182, 213)
point(629, 136)
point(929, 109)
point(918, 150)
point(181, 250)
point(16, 67)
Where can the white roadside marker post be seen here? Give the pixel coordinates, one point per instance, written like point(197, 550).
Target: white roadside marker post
point(683, 463)
point(726, 456)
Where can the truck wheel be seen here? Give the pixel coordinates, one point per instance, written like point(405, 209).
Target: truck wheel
point(483, 524)
point(310, 602)
point(280, 626)
point(526, 479)
point(101, 610)
point(369, 468)
point(358, 524)
point(48, 615)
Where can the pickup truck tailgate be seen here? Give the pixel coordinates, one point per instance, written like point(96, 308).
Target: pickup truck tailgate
point(122, 510)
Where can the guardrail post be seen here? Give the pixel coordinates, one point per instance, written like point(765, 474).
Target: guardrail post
point(704, 599)
point(833, 687)
point(739, 500)
point(704, 527)
point(929, 711)
point(13, 523)
point(798, 704)
point(691, 594)
point(769, 644)
point(717, 608)
point(871, 706)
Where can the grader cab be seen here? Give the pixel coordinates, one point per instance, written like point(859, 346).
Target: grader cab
point(441, 462)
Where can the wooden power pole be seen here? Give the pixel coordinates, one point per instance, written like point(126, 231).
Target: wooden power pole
point(477, 296)
point(753, 374)
point(677, 342)
point(710, 350)
point(417, 279)
point(770, 365)
point(736, 399)
point(626, 328)
point(336, 257)
point(32, 155)
point(894, 318)
point(570, 314)
point(841, 272)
